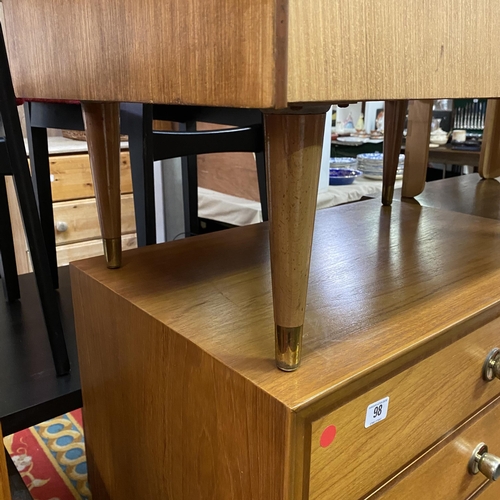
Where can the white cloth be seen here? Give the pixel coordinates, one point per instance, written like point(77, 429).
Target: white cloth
point(59, 145)
point(241, 212)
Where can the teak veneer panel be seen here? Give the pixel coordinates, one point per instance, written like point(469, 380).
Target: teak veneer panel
point(188, 350)
point(225, 455)
point(248, 53)
point(392, 49)
point(230, 173)
point(468, 194)
point(421, 270)
point(212, 52)
point(490, 492)
point(444, 473)
point(425, 403)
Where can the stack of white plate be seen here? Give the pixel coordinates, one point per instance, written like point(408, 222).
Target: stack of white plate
point(339, 162)
point(371, 164)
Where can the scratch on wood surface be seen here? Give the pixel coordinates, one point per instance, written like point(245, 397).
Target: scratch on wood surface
point(441, 56)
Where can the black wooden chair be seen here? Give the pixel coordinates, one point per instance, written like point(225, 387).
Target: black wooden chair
point(13, 162)
point(146, 146)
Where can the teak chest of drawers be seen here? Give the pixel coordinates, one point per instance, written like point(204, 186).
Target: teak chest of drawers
point(182, 399)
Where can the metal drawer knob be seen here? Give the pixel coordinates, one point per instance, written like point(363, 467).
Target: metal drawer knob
point(484, 462)
point(491, 367)
point(61, 226)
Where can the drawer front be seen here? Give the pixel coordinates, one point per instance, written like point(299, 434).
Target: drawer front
point(490, 492)
point(444, 475)
point(425, 402)
point(80, 218)
point(72, 179)
point(87, 249)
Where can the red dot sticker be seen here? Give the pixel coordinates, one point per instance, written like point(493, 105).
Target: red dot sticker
point(328, 436)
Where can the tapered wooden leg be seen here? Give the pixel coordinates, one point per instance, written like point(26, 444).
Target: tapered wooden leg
point(102, 124)
point(293, 155)
point(489, 162)
point(395, 114)
point(260, 162)
point(417, 147)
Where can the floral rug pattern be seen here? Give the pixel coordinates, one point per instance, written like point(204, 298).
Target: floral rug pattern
point(51, 458)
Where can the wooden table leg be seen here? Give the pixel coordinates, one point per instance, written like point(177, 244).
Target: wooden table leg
point(4, 476)
point(395, 114)
point(489, 161)
point(417, 147)
point(102, 124)
point(293, 155)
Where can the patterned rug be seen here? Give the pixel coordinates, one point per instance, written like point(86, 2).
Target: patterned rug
point(51, 458)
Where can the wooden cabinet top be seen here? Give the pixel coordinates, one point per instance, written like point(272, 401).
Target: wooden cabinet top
point(253, 53)
point(387, 287)
point(468, 194)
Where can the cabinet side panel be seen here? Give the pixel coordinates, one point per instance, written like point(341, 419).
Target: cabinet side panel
point(392, 49)
point(211, 52)
point(165, 420)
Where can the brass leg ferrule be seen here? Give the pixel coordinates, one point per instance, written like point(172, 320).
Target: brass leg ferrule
point(113, 252)
point(387, 196)
point(288, 347)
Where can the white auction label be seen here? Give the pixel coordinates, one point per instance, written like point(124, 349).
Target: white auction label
point(376, 412)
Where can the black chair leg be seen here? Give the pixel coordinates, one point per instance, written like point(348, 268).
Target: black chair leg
point(262, 180)
point(8, 267)
point(40, 174)
point(27, 202)
point(190, 189)
point(137, 123)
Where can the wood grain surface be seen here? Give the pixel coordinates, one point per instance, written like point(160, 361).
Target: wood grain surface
point(417, 147)
point(372, 50)
point(4, 476)
point(294, 146)
point(413, 296)
point(293, 149)
point(102, 126)
point(262, 54)
point(444, 154)
point(490, 492)
point(444, 473)
point(229, 173)
point(217, 408)
point(425, 403)
point(489, 161)
point(81, 219)
point(219, 53)
point(206, 432)
point(467, 194)
point(72, 179)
